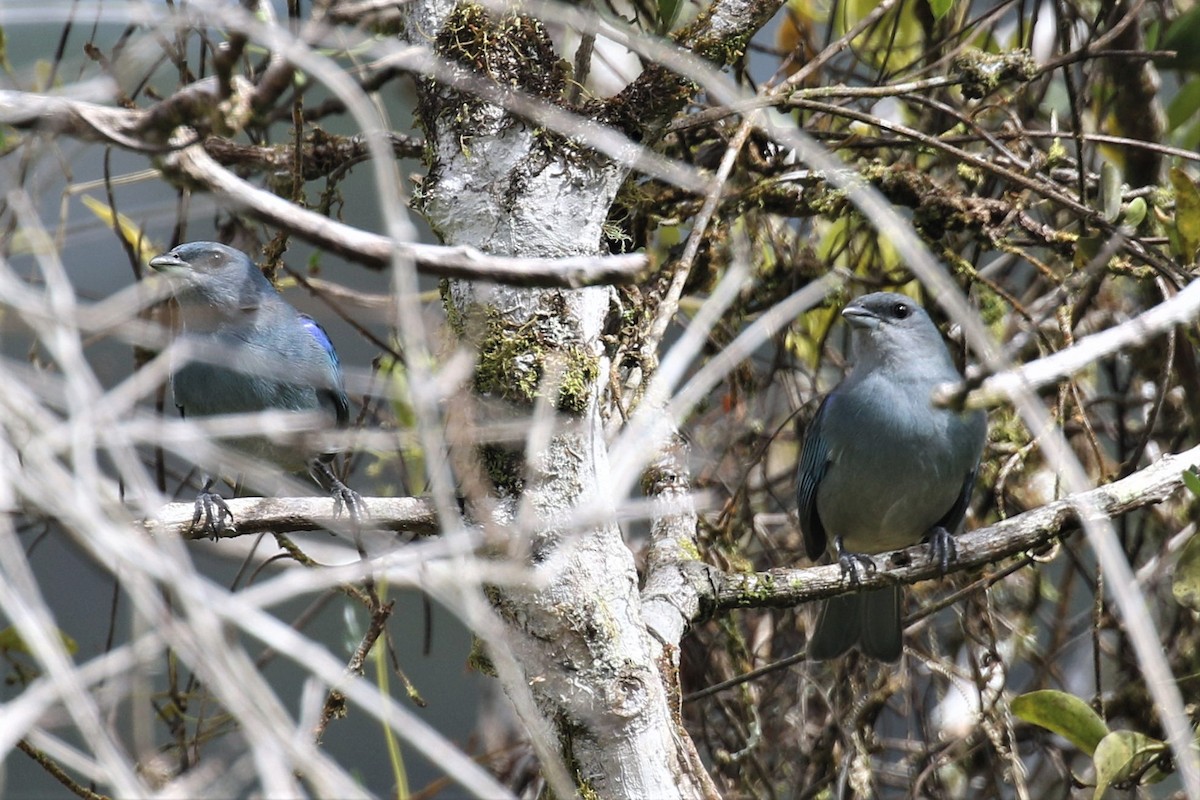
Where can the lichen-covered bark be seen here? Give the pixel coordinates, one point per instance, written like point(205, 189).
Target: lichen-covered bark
point(499, 184)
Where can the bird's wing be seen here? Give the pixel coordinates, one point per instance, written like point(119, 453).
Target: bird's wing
point(333, 393)
point(814, 459)
point(954, 516)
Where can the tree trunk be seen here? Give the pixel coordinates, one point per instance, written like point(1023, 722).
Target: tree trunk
point(499, 184)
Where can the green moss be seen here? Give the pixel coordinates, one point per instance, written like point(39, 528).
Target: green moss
point(581, 373)
point(479, 660)
point(513, 51)
point(981, 73)
point(508, 360)
point(689, 548)
point(504, 466)
point(586, 792)
point(993, 308)
point(761, 590)
point(454, 317)
point(513, 362)
point(567, 731)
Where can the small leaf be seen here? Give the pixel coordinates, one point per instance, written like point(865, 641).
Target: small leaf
point(1187, 212)
point(1088, 246)
point(1185, 585)
point(940, 7)
point(11, 642)
point(1064, 714)
point(129, 229)
point(1135, 212)
point(1122, 755)
point(1184, 105)
point(1192, 481)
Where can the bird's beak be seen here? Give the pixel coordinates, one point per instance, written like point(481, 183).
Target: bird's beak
point(856, 315)
point(168, 262)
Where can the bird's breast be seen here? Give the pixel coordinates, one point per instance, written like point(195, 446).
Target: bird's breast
point(897, 466)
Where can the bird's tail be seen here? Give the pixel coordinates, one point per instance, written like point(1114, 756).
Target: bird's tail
point(869, 619)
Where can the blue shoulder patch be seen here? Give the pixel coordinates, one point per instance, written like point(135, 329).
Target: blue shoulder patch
point(318, 333)
point(334, 394)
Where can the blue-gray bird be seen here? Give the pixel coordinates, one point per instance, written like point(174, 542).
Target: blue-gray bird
point(882, 468)
point(255, 352)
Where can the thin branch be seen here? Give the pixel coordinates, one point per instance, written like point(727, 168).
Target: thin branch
point(1045, 188)
point(58, 773)
point(321, 155)
point(1003, 387)
point(254, 515)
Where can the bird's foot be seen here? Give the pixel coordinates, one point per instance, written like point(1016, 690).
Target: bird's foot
point(345, 499)
point(349, 501)
point(213, 509)
point(852, 563)
point(942, 548)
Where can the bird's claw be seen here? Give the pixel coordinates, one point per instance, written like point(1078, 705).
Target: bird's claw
point(345, 499)
point(851, 563)
point(942, 548)
point(349, 501)
point(213, 509)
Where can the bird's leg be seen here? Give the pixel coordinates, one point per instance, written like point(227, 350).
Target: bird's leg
point(213, 508)
point(344, 498)
point(942, 548)
point(852, 562)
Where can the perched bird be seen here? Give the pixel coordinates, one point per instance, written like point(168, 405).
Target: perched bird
point(254, 352)
point(882, 468)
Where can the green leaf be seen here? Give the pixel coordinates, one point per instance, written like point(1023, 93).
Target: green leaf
point(1064, 714)
point(130, 230)
point(11, 642)
point(1185, 585)
point(668, 11)
point(1181, 36)
point(894, 42)
point(4, 65)
point(1121, 756)
point(1187, 212)
point(1184, 105)
point(940, 7)
point(1135, 212)
point(1192, 481)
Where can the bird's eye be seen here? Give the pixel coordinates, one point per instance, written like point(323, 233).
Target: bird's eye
point(901, 310)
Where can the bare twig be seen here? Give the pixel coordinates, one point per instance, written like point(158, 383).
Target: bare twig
point(1002, 388)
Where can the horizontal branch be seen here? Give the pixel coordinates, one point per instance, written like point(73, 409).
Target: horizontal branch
point(186, 155)
point(320, 155)
point(253, 515)
point(1032, 530)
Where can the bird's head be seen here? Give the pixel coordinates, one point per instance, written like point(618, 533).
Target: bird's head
point(892, 328)
point(210, 273)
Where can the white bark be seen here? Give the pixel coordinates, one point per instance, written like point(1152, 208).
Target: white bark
point(578, 633)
